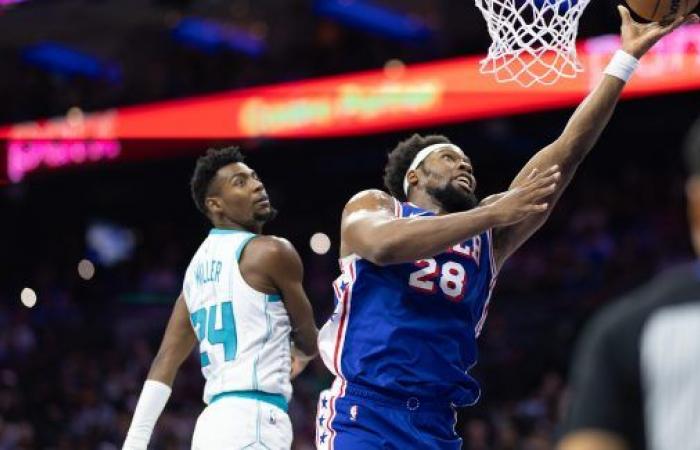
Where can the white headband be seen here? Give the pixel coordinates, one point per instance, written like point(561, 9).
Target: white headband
point(420, 157)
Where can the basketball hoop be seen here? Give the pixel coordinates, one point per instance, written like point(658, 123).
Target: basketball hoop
point(534, 41)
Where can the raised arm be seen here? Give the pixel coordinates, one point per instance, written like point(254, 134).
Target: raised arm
point(177, 343)
point(582, 131)
point(371, 230)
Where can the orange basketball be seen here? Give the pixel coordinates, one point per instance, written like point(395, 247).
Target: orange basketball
point(662, 10)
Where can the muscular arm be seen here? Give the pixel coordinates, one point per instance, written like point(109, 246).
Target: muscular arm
point(276, 265)
point(568, 151)
point(370, 229)
point(582, 131)
point(177, 343)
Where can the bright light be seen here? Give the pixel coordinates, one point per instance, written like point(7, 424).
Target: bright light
point(86, 269)
point(28, 297)
point(320, 243)
point(394, 68)
point(74, 117)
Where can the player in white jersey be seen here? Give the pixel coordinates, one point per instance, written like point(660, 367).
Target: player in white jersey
point(242, 301)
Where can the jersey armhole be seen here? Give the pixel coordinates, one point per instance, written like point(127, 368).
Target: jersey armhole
point(398, 208)
point(492, 259)
point(243, 245)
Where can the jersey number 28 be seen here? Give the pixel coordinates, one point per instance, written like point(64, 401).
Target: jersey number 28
point(453, 279)
point(204, 323)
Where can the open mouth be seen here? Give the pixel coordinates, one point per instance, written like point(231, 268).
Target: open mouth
point(464, 182)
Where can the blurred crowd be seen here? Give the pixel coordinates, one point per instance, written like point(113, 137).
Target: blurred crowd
point(71, 367)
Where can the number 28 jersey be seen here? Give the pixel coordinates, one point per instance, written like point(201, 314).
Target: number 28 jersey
point(410, 329)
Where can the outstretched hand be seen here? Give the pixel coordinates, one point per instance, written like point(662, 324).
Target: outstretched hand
point(638, 38)
point(526, 199)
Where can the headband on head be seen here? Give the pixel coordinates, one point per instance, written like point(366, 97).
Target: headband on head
point(420, 157)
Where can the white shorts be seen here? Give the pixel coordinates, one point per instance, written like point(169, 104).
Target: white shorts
point(233, 423)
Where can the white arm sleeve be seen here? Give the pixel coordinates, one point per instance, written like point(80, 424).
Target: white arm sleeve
point(151, 402)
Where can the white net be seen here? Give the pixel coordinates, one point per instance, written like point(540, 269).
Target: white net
point(534, 41)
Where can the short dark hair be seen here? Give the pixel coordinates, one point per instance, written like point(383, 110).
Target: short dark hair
point(400, 159)
point(205, 171)
point(692, 150)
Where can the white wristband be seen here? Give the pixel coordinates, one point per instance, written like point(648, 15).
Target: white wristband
point(151, 402)
point(622, 65)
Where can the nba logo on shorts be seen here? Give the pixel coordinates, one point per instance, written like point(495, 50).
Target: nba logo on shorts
point(353, 413)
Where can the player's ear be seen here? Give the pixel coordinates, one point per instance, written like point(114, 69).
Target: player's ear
point(412, 178)
point(213, 204)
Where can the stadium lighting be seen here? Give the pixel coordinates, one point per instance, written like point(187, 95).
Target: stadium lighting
point(365, 15)
point(86, 269)
point(209, 35)
point(28, 297)
point(320, 243)
point(58, 58)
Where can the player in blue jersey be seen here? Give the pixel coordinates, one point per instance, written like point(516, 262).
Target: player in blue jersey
point(418, 268)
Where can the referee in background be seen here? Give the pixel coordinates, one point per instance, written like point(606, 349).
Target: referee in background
point(636, 372)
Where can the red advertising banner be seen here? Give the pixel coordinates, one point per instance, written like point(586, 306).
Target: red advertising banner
point(360, 103)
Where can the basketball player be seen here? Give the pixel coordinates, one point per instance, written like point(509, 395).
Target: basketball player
point(418, 268)
point(242, 298)
point(636, 375)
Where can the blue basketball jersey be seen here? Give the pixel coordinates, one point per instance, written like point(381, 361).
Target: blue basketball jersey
point(411, 329)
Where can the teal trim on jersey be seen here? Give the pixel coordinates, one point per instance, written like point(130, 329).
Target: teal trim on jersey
point(272, 298)
point(243, 245)
point(226, 231)
point(277, 400)
point(256, 382)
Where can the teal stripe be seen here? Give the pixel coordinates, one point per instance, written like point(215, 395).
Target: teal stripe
point(226, 231)
point(267, 337)
point(242, 246)
point(271, 399)
point(274, 298)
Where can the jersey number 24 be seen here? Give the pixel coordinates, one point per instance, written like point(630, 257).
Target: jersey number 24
point(452, 275)
point(204, 323)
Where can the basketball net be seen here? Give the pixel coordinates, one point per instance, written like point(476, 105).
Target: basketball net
point(534, 41)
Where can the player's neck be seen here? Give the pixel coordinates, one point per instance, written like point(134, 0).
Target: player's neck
point(226, 224)
point(425, 201)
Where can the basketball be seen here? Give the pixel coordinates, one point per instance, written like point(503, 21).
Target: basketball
point(662, 10)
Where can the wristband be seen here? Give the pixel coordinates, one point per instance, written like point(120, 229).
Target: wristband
point(622, 65)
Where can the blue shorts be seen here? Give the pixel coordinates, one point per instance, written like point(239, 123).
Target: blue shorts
point(352, 418)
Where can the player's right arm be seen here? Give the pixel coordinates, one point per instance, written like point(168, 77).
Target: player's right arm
point(177, 344)
point(582, 131)
point(371, 230)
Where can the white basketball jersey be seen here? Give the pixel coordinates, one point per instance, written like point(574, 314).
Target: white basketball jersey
point(244, 335)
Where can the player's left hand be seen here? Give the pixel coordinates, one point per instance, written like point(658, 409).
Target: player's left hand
point(299, 362)
point(298, 366)
point(638, 38)
point(491, 198)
